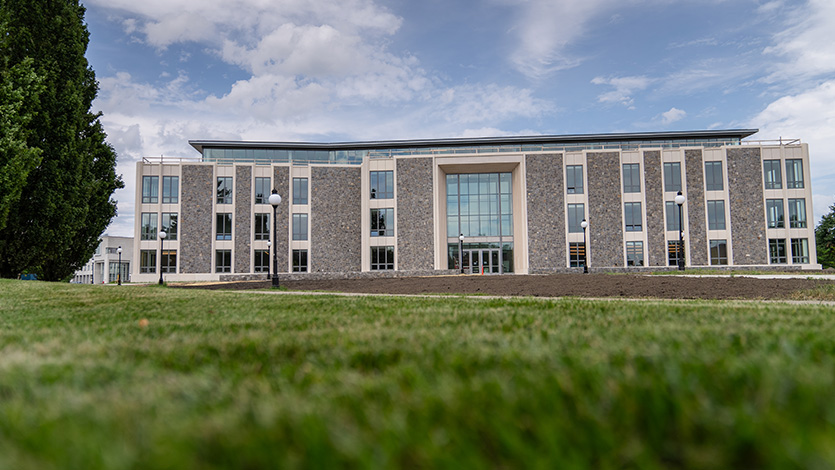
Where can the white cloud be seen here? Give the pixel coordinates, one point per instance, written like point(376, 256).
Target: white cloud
point(673, 115)
point(808, 45)
point(624, 88)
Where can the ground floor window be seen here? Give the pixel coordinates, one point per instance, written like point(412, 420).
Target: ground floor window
point(262, 261)
point(674, 252)
point(168, 261)
point(115, 272)
point(382, 258)
point(634, 253)
point(299, 261)
point(777, 251)
point(148, 261)
point(800, 250)
point(487, 257)
point(718, 252)
point(223, 261)
point(576, 255)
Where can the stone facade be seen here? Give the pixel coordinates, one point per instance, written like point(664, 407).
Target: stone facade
point(335, 219)
point(243, 218)
point(694, 207)
point(750, 245)
point(656, 252)
point(414, 214)
point(195, 227)
point(281, 179)
point(546, 212)
point(605, 241)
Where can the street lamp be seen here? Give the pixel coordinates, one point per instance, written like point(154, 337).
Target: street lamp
point(275, 200)
point(461, 252)
point(585, 225)
point(269, 244)
point(119, 272)
point(680, 254)
point(162, 236)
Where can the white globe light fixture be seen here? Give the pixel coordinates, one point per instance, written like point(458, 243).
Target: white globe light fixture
point(275, 200)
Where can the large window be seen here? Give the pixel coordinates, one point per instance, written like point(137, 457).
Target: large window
point(382, 184)
point(800, 251)
point(479, 205)
point(223, 261)
point(576, 255)
point(774, 212)
point(148, 261)
point(169, 225)
point(382, 258)
point(713, 176)
point(794, 174)
point(224, 190)
point(262, 226)
point(262, 190)
point(262, 261)
point(777, 251)
point(113, 271)
point(168, 261)
point(574, 179)
point(150, 189)
point(170, 189)
point(718, 252)
point(716, 215)
point(299, 261)
point(149, 226)
point(672, 177)
point(299, 190)
point(671, 208)
point(797, 213)
point(675, 250)
point(632, 216)
point(299, 226)
point(382, 222)
point(634, 253)
point(631, 178)
point(576, 215)
point(772, 175)
point(223, 230)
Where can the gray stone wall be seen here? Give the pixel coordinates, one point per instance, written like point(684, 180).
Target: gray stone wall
point(414, 214)
point(195, 227)
point(656, 251)
point(746, 206)
point(546, 212)
point(243, 218)
point(695, 207)
point(335, 221)
point(605, 241)
point(281, 177)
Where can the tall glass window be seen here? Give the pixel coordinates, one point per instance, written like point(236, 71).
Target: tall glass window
point(574, 179)
point(169, 225)
point(170, 189)
point(168, 261)
point(223, 229)
point(631, 178)
point(797, 213)
point(223, 261)
point(777, 251)
point(224, 190)
point(718, 252)
point(774, 212)
point(150, 189)
point(262, 261)
point(716, 215)
point(794, 174)
point(149, 226)
point(713, 176)
point(299, 226)
point(632, 216)
point(672, 176)
point(299, 261)
point(382, 184)
point(148, 261)
point(382, 258)
point(576, 214)
point(479, 205)
point(576, 255)
point(800, 251)
point(634, 253)
point(671, 208)
point(299, 190)
point(674, 251)
point(772, 175)
point(262, 226)
point(382, 222)
point(262, 190)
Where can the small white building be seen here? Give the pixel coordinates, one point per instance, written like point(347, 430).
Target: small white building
point(104, 266)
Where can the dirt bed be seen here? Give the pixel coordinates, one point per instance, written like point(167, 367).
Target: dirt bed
point(557, 285)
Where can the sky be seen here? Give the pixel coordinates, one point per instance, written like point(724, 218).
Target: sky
point(344, 70)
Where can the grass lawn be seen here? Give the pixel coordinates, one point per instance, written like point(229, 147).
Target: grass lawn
point(242, 380)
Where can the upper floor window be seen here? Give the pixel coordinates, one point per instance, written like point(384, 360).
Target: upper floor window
point(772, 174)
point(169, 225)
point(574, 179)
point(576, 215)
point(797, 213)
point(299, 190)
point(634, 253)
point(223, 229)
point(382, 222)
point(150, 189)
point(716, 215)
point(224, 190)
point(299, 226)
point(262, 226)
point(774, 213)
point(149, 226)
point(672, 176)
point(170, 189)
point(382, 184)
point(672, 216)
point(794, 174)
point(631, 178)
point(262, 190)
point(713, 176)
point(632, 216)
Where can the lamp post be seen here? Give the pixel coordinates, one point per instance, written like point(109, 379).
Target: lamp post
point(119, 271)
point(585, 225)
point(162, 236)
point(275, 200)
point(461, 252)
point(269, 249)
point(680, 247)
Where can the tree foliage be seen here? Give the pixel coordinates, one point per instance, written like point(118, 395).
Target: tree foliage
point(825, 239)
point(64, 204)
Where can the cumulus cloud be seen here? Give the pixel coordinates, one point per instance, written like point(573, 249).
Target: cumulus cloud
point(624, 88)
point(807, 45)
point(673, 115)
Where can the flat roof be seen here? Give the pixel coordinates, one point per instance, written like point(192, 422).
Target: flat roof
point(477, 141)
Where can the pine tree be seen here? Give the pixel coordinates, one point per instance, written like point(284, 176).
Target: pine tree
point(825, 239)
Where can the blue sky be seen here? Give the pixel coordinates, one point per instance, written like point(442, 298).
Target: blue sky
point(314, 70)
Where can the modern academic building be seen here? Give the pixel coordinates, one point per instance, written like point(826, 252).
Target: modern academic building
point(510, 204)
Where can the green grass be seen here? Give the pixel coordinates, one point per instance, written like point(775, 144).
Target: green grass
point(244, 380)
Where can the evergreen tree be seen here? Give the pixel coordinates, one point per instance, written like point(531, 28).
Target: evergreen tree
point(65, 204)
point(825, 239)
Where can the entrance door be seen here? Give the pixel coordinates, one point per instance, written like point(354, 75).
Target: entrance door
point(482, 261)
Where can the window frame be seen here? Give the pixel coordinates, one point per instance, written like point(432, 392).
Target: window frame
point(260, 256)
point(674, 255)
point(574, 223)
point(571, 179)
point(387, 263)
point(300, 191)
point(300, 224)
point(262, 190)
point(264, 225)
point(776, 179)
point(801, 245)
point(223, 255)
point(576, 254)
point(795, 220)
point(794, 173)
point(300, 260)
point(170, 189)
point(633, 247)
point(633, 170)
point(150, 189)
point(221, 232)
point(148, 261)
point(149, 229)
point(165, 261)
point(387, 229)
point(384, 190)
point(714, 222)
point(170, 235)
point(224, 190)
point(779, 221)
point(717, 258)
point(669, 173)
point(774, 246)
point(714, 176)
point(629, 215)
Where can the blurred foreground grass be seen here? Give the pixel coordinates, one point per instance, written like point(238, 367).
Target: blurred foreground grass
point(241, 380)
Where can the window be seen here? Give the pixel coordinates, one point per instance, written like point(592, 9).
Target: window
point(299, 190)
point(262, 226)
point(797, 213)
point(223, 231)
point(149, 226)
point(774, 211)
point(382, 184)
point(111, 250)
point(634, 253)
point(777, 251)
point(576, 214)
point(113, 272)
point(382, 258)
point(773, 176)
point(574, 179)
point(168, 261)
point(674, 251)
point(479, 205)
point(576, 255)
point(382, 222)
point(299, 226)
point(794, 174)
point(631, 178)
point(716, 215)
point(718, 252)
point(170, 189)
point(262, 190)
point(262, 261)
point(713, 176)
point(632, 216)
point(169, 225)
point(299, 261)
point(672, 177)
point(150, 189)
point(800, 251)
point(223, 261)
point(672, 215)
point(148, 261)
point(224, 190)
